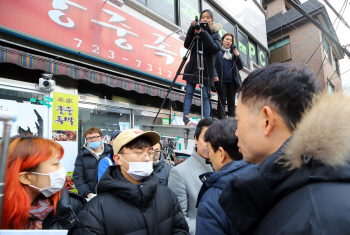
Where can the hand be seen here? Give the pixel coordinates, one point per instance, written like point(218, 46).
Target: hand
point(236, 52)
point(216, 79)
point(198, 31)
point(91, 195)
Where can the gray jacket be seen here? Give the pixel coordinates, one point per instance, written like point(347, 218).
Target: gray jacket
point(185, 183)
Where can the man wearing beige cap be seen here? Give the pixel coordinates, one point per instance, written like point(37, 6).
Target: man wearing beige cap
point(130, 200)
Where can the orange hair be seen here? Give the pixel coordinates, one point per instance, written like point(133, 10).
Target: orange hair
point(24, 154)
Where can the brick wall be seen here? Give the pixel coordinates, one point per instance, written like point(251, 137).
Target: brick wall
point(304, 40)
point(275, 7)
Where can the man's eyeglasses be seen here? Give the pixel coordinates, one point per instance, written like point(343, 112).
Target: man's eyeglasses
point(206, 150)
point(93, 138)
point(143, 156)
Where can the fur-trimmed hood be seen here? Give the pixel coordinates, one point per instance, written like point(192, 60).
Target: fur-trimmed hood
point(214, 28)
point(323, 133)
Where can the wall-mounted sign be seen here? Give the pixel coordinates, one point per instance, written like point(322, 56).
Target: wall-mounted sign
point(262, 57)
point(97, 29)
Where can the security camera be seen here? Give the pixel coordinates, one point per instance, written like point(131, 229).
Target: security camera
point(46, 82)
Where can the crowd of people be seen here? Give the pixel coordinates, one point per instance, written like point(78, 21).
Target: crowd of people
point(281, 166)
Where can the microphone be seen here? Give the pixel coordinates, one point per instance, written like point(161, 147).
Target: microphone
point(234, 46)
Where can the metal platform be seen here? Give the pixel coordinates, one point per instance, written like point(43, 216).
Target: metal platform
point(185, 132)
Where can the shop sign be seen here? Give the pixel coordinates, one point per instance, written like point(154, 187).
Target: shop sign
point(96, 29)
point(64, 117)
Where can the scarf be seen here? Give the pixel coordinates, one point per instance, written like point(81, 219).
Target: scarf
point(38, 213)
point(227, 55)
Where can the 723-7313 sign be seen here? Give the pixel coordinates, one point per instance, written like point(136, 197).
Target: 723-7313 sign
point(96, 29)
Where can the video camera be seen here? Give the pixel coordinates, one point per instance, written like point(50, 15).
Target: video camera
point(200, 25)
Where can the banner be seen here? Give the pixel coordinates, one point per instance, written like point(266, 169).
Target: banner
point(65, 113)
point(97, 29)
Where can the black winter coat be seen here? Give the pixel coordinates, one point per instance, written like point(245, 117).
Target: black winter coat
point(67, 210)
point(211, 45)
point(312, 200)
point(237, 65)
point(122, 207)
point(162, 170)
point(85, 173)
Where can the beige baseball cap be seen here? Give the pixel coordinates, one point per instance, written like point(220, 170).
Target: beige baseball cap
point(127, 136)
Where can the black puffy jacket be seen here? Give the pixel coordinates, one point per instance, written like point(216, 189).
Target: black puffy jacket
point(67, 209)
point(85, 173)
point(211, 46)
point(162, 170)
point(122, 207)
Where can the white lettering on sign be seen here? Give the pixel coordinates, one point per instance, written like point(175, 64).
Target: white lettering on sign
point(121, 32)
point(161, 49)
point(59, 5)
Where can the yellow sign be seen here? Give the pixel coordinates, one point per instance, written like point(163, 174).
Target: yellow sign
point(65, 112)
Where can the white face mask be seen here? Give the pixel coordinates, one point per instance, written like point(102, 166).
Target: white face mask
point(57, 179)
point(139, 170)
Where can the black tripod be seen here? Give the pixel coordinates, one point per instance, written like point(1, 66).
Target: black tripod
point(200, 65)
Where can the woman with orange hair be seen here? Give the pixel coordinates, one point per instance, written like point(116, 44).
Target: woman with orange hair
point(34, 194)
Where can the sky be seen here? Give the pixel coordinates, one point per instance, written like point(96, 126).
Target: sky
point(343, 34)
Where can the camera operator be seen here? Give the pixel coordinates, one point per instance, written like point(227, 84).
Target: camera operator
point(210, 39)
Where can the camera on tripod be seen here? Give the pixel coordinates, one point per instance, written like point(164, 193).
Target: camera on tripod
point(200, 25)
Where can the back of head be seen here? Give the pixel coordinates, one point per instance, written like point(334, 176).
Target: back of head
point(203, 123)
point(222, 134)
point(25, 153)
point(285, 87)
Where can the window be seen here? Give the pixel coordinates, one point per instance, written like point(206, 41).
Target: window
point(262, 55)
point(280, 51)
point(326, 48)
point(330, 87)
point(227, 26)
point(189, 9)
point(165, 8)
point(106, 118)
point(252, 51)
point(335, 63)
point(242, 40)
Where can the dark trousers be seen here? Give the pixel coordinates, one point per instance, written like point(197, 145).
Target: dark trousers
point(227, 92)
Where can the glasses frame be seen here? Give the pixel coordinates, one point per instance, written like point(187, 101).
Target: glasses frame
point(206, 150)
point(93, 138)
point(151, 156)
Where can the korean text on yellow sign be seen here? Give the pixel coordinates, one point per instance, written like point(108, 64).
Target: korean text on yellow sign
point(65, 111)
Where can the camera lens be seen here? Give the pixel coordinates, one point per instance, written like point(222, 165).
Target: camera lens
point(46, 83)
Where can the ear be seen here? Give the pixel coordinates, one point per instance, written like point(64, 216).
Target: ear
point(24, 178)
point(223, 154)
point(269, 120)
point(195, 140)
point(117, 159)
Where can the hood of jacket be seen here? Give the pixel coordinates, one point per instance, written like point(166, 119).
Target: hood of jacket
point(87, 150)
point(140, 195)
point(215, 27)
point(317, 152)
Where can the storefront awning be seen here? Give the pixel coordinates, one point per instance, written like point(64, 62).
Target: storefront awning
point(49, 65)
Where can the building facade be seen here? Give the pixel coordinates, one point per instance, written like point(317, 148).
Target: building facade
point(112, 62)
point(291, 37)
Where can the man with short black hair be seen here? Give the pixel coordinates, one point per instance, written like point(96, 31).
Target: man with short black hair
point(183, 179)
point(270, 106)
point(130, 200)
point(227, 161)
point(85, 172)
